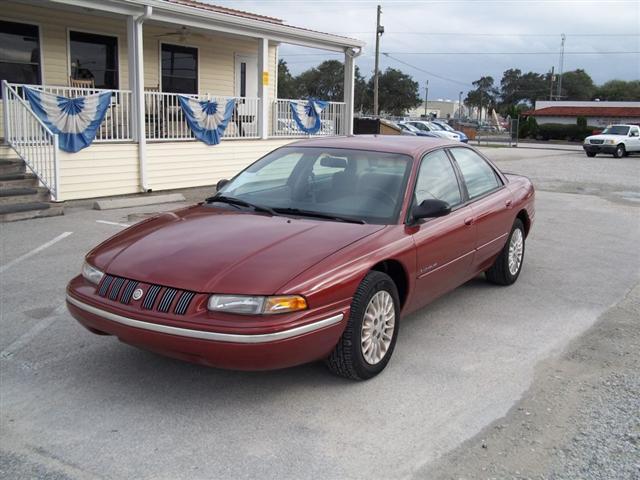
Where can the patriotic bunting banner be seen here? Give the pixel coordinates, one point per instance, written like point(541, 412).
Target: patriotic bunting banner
point(205, 118)
point(74, 120)
point(307, 114)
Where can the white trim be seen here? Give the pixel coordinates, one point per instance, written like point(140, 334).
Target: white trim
point(198, 67)
point(205, 335)
point(177, 14)
point(102, 34)
point(39, 26)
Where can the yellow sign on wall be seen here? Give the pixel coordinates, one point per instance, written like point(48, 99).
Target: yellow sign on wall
point(265, 78)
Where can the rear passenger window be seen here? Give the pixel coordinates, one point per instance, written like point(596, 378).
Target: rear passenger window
point(478, 175)
point(437, 180)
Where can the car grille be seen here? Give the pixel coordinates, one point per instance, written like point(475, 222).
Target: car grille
point(597, 142)
point(156, 297)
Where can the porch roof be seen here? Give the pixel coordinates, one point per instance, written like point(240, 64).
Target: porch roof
point(206, 16)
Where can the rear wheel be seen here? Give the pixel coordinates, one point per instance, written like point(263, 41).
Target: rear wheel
point(591, 154)
point(506, 269)
point(368, 341)
point(620, 151)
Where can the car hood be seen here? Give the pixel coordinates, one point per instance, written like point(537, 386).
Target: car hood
point(606, 137)
point(207, 249)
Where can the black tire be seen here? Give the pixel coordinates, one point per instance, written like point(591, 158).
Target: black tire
point(620, 151)
point(347, 359)
point(591, 154)
point(499, 272)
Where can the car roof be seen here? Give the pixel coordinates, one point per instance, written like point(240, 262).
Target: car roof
point(404, 144)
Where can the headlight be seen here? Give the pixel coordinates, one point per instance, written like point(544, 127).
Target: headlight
point(91, 274)
point(610, 142)
point(256, 305)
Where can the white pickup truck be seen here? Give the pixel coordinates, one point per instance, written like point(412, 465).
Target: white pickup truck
point(618, 140)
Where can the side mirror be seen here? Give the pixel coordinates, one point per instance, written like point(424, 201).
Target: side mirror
point(430, 209)
point(221, 183)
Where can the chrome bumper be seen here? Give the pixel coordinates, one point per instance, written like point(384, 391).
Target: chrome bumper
point(204, 335)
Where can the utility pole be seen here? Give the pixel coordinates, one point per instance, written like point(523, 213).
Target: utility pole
point(376, 73)
point(460, 106)
point(551, 83)
point(426, 99)
point(559, 94)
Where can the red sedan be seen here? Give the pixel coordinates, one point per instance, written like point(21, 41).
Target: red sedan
point(314, 252)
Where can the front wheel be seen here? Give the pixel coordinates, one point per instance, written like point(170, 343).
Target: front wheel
point(368, 341)
point(620, 151)
point(591, 154)
point(507, 266)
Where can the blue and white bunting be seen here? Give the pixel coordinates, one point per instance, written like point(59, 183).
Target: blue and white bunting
point(307, 114)
point(206, 120)
point(74, 120)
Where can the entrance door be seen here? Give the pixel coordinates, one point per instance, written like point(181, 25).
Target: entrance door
point(246, 85)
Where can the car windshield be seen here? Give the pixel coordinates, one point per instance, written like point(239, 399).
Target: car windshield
point(445, 126)
point(408, 127)
point(616, 130)
point(331, 183)
point(436, 126)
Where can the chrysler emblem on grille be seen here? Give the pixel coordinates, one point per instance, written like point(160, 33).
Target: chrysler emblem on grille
point(137, 294)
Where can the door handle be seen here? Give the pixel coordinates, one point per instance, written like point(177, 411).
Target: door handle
point(507, 204)
point(468, 221)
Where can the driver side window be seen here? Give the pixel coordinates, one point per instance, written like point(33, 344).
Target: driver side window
point(437, 180)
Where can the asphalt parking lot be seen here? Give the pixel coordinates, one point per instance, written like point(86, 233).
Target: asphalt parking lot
point(76, 405)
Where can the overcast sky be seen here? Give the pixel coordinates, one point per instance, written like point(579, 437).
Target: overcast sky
point(443, 27)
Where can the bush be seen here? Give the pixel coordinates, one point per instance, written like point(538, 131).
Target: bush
point(581, 122)
point(528, 128)
point(557, 131)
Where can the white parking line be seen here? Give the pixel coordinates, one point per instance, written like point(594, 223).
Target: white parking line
point(106, 222)
point(15, 261)
point(29, 335)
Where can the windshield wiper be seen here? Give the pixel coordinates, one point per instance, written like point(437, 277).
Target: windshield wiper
point(310, 213)
point(242, 203)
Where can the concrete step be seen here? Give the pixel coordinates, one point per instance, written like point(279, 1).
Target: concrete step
point(12, 196)
point(24, 211)
point(7, 152)
point(11, 166)
point(16, 180)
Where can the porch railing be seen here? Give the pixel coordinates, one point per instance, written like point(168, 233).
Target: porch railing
point(36, 145)
point(165, 121)
point(116, 126)
point(332, 120)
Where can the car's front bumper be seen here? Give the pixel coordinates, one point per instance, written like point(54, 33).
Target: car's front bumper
point(590, 148)
point(272, 348)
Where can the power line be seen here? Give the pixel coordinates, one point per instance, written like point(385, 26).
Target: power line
point(386, 54)
point(466, 34)
point(618, 52)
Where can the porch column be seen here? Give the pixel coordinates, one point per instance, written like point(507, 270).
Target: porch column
point(136, 84)
point(263, 87)
point(349, 83)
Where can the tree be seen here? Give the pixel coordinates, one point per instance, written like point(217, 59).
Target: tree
point(484, 95)
point(534, 86)
point(326, 82)
point(510, 87)
point(287, 87)
point(619, 90)
point(577, 85)
point(397, 92)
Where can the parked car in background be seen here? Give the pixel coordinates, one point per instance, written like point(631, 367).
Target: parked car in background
point(426, 126)
point(445, 126)
point(618, 140)
point(314, 252)
point(410, 129)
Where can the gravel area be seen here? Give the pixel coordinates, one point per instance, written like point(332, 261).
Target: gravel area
point(579, 420)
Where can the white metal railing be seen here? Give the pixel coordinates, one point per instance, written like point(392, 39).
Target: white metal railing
point(165, 121)
point(117, 123)
point(36, 145)
point(332, 119)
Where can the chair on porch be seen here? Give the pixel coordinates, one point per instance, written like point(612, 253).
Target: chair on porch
point(82, 82)
point(153, 108)
point(239, 119)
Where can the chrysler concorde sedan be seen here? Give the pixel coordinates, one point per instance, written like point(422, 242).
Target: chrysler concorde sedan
point(314, 252)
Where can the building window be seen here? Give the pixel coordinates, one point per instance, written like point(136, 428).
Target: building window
point(19, 53)
point(179, 69)
point(243, 79)
point(94, 57)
